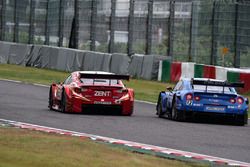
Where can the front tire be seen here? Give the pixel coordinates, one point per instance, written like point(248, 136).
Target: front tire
point(50, 99)
point(64, 102)
point(159, 109)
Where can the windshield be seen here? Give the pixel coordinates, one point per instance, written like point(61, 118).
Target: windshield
point(218, 89)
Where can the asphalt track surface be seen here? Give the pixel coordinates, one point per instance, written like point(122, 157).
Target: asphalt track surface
point(28, 103)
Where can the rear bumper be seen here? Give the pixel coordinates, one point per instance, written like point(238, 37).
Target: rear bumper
point(232, 115)
point(200, 108)
point(237, 112)
point(217, 116)
point(101, 109)
point(80, 106)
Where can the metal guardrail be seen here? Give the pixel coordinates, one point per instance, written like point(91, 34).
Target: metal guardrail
point(184, 30)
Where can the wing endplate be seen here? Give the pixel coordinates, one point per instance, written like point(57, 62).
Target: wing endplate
point(218, 83)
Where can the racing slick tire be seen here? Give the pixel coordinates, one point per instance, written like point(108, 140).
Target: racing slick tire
point(177, 115)
point(241, 120)
point(50, 99)
point(159, 109)
point(128, 114)
point(63, 102)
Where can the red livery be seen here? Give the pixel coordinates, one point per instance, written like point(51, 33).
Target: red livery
point(91, 91)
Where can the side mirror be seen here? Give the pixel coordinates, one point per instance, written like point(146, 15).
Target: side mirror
point(170, 89)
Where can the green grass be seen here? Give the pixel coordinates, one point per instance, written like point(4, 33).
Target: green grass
point(147, 90)
point(26, 148)
point(31, 75)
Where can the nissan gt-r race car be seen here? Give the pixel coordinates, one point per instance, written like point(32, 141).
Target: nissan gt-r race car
point(202, 96)
point(92, 91)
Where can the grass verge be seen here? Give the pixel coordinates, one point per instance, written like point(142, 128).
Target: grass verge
point(24, 148)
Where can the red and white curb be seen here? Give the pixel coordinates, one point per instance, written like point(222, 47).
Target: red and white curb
point(134, 145)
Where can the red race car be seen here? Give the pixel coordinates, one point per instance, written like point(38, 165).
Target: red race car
point(92, 91)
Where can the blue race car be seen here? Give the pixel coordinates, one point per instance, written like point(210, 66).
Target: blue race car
point(203, 96)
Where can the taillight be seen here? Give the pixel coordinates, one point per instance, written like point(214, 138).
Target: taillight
point(84, 90)
point(77, 90)
point(197, 98)
point(122, 91)
point(232, 100)
point(240, 100)
point(189, 96)
point(125, 90)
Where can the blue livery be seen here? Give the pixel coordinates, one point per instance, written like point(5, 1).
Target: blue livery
point(203, 96)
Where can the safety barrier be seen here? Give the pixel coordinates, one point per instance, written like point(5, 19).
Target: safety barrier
point(138, 66)
point(172, 72)
point(65, 59)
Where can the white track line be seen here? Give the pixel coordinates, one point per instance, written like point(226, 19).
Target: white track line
point(41, 85)
point(9, 80)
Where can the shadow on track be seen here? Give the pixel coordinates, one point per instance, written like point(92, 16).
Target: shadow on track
point(216, 120)
point(94, 112)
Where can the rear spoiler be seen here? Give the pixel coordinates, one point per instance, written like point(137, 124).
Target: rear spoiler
point(105, 76)
point(217, 83)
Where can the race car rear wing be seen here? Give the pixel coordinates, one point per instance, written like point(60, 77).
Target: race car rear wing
point(217, 83)
point(105, 76)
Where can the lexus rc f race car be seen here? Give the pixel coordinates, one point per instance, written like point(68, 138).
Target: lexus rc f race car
point(92, 91)
point(201, 96)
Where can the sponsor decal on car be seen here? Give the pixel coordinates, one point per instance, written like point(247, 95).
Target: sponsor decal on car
point(102, 102)
point(215, 108)
point(102, 93)
point(189, 102)
point(197, 104)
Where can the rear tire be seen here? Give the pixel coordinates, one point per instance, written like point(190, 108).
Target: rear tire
point(241, 120)
point(129, 114)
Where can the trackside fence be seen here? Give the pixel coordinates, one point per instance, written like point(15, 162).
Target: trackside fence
point(214, 32)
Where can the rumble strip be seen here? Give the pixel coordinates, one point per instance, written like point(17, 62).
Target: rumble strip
point(138, 147)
